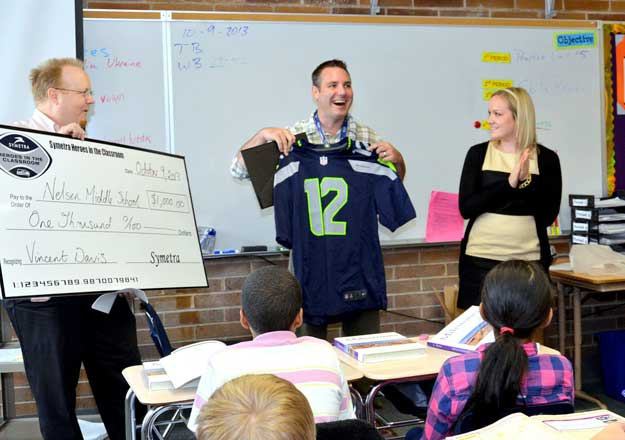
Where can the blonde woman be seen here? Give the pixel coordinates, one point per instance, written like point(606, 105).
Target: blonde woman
point(510, 192)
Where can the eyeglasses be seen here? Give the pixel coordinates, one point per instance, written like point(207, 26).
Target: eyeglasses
point(84, 93)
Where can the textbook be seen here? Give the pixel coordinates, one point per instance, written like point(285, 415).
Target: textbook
point(465, 333)
point(189, 362)
point(158, 382)
point(153, 367)
point(379, 347)
point(576, 426)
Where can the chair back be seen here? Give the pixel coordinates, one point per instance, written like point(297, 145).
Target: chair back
point(466, 422)
point(447, 300)
point(355, 429)
point(157, 330)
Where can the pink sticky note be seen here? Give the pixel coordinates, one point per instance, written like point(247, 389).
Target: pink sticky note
point(444, 220)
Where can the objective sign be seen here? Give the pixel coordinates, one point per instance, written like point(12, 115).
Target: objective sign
point(88, 216)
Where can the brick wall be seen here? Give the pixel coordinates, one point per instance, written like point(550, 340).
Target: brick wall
point(413, 274)
point(566, 9)
point(413, 277)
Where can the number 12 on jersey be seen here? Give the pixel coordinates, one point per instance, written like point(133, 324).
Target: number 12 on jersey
point(320, 219)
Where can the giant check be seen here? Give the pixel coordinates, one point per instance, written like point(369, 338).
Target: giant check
point(87, 216)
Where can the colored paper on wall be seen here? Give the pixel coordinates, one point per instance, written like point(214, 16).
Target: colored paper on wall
point(444, 220)
point(619, 62)
point(496, 57)
point(497, 83)
point(490, 86)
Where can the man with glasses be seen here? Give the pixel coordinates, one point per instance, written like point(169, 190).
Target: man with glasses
point(57, 334)
point(62, 93)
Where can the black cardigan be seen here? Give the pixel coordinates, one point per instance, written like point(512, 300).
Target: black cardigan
point(489, 191)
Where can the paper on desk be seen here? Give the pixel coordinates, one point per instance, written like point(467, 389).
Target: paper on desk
point(577, 426)
point(561, 266)
point(444, 220)
point(596, 259)
point(104, 303)
point(598, 420)
point(189, 362)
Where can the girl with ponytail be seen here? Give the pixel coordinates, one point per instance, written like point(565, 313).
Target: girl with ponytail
point(516, 302)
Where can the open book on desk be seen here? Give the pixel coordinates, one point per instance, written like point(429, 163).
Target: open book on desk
point(576, 426)
point(184, 365)
point(465, 333)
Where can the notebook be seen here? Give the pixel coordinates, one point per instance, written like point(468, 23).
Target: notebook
point(261, 163)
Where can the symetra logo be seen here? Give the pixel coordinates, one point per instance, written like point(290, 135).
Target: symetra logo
point(23, 157)
point(19, 143)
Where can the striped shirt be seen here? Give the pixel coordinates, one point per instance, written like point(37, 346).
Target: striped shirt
point(308, 363)
point(355, 131)
point(549, 379)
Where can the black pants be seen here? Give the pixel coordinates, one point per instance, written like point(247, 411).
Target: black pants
point(59, 334)
point(358, 323)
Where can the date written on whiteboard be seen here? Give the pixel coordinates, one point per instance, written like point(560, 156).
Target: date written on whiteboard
point(219, 30)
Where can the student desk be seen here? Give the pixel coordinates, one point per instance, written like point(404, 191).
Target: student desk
point(161, 401)
point(155, 400)
point(415, 369)
point(580, 283)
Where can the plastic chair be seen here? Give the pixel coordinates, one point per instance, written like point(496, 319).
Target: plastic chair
point(466, 422)
point(355, 429)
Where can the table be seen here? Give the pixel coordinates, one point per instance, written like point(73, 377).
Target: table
point(161, 401)
point(580, 282)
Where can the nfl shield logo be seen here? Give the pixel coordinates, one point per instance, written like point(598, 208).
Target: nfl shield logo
point(323, 160)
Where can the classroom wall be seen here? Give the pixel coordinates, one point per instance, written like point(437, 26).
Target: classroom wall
point(566, 9)
point(413, 274)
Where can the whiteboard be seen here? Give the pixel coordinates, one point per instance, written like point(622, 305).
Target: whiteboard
point(32, 31)
point(124, 60)
point(419, 85)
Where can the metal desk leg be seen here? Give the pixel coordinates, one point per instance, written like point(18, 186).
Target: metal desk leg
point(577, 336)
point(369, 408)
point(150, 428)
point(148, 424)
point(358, 403)
point(131, 417)
point(577, 340)
point(561, 319)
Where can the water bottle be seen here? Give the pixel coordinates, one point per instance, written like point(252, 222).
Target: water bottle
point(207, 239)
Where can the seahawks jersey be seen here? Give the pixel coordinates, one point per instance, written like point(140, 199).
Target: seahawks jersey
point(327, 202)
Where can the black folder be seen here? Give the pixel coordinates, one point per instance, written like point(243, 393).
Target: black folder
point(261, 162)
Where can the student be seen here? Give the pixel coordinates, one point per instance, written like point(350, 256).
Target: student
point(271, 308)
point(330, 123)
point(510, 192)
point(256, 407)
point(58, 334)
point(516, 302)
